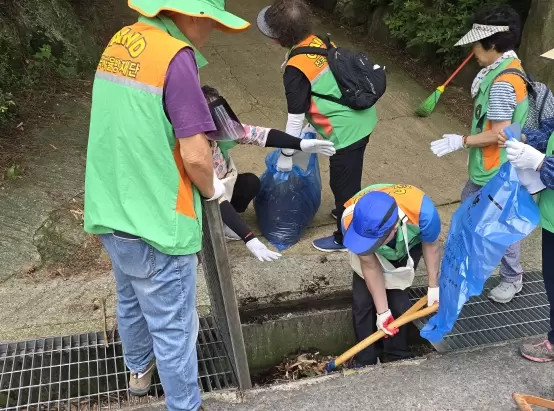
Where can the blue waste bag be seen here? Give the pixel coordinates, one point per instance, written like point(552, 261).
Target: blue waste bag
point(288, 201)
point(484, 226)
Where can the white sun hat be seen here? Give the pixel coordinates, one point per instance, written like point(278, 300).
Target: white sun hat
point(480, 32)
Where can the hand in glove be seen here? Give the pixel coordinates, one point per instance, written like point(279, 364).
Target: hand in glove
point(447, 144)
point(260, 251)
point(219, 189)
point(383, 321)
point(284, 163)
point(432, 296)
point(523, 156)
point(323, 147)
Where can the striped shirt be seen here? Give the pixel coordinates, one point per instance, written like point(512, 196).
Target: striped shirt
point(502, 101)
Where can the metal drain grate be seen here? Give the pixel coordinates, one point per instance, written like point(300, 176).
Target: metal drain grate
point(80, 373)
point(484, 322)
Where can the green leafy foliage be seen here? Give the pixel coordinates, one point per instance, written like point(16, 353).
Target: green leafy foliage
point(43, 42)
point(434, 25)
point(44, 64)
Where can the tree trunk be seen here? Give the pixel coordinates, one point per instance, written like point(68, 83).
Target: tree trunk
point(538, 37)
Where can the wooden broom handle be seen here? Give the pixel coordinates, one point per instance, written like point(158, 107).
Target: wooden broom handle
point(523, 402)
point(458, 70)
point(412, 314)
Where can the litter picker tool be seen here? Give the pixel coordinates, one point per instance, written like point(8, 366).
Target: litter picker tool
point(415, 312)
point(524, 402)
point(429, 104)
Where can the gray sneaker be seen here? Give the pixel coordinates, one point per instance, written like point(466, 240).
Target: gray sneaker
point(504, 292)
point(538, 351)
point(139, 384)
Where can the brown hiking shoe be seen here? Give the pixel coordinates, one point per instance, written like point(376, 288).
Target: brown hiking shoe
point(139, 383)
point(538, 351)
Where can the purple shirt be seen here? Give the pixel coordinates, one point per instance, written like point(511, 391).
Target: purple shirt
point(183, 100)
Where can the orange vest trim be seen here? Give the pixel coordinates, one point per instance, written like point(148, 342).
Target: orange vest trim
point(407, 197)
point(491, 154)
point(185, 195)
point(140, 52)
point(312, 65)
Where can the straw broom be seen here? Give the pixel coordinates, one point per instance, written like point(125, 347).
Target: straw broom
point(427, 107)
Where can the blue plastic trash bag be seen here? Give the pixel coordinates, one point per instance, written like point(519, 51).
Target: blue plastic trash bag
point(288, 201)
point(484, 226)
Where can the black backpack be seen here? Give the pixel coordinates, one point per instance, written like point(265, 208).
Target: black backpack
point(360, 84)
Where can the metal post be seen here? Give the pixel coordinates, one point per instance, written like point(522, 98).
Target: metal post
point(217, 270)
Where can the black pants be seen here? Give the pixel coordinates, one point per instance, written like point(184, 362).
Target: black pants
point(364, 316)
point(246, 188)
point(345, 170)
point(548, 275)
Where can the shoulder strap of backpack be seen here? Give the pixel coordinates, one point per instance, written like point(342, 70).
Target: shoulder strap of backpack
point(514, 71)
point(530, 88)
point(313, 50)
point(308, 50)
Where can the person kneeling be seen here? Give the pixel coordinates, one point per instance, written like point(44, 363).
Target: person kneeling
point(387, 228)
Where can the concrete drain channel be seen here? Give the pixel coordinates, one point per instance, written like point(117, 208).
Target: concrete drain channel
point(81, 372)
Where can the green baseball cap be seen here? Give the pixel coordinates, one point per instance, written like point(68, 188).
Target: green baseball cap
point(213, 9)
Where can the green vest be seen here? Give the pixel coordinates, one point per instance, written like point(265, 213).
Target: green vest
point(546, 198)
point(135, 180)
point(335, 122)
point(478, 172)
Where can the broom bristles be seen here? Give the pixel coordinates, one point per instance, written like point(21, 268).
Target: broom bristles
point(427, 107)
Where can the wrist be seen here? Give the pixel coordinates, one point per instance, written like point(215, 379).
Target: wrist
point(464, 141)
point(249, 237)
point(383, 310)
point(208, 194)
point(541, 163)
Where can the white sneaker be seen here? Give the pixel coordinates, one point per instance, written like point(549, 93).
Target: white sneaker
point(230, 234)
point(504, 292)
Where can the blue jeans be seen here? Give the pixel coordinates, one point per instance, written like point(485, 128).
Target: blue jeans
point(156, 316)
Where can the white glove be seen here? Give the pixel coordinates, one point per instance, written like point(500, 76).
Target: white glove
point(260, 251)
point(284, 163)
point(323, 147)
point(219, 189)
point(383, 321)
point(447, 144)
point(432, 296)
point(531, 180)
point(523, 156)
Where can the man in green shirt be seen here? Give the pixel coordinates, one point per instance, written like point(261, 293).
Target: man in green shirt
point(148, 163)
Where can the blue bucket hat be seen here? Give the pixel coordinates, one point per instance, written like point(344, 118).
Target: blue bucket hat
point(375, 216)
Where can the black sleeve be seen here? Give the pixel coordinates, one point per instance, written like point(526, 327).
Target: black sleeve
point(233, 220)
point(280, 139)
point(297, 90)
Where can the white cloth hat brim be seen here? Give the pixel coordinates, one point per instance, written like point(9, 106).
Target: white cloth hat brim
point(480, 32)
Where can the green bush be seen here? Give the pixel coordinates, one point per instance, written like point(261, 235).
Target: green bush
point(44, 41)
point(434, 26)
